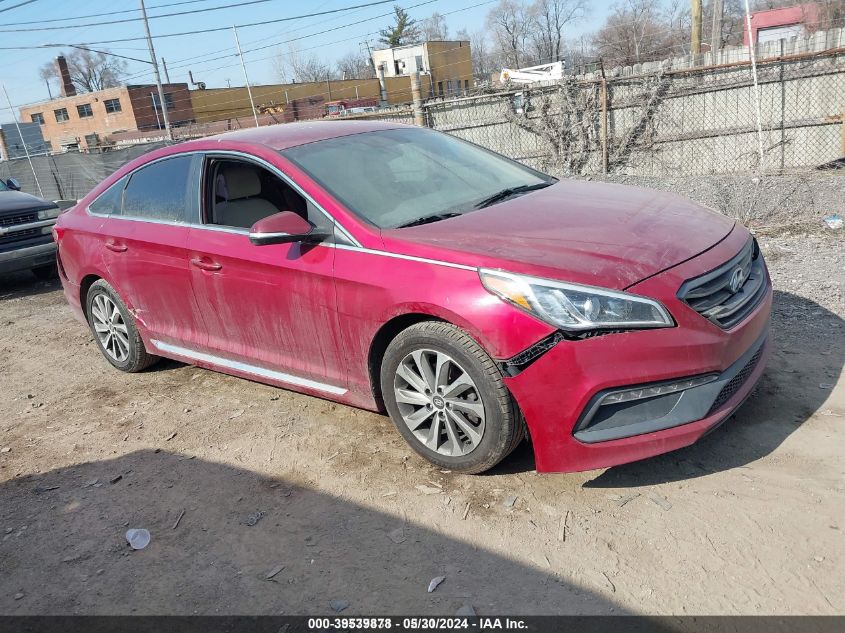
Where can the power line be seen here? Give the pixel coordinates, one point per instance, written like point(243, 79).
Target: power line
point(15, 6)
point(262, 23)
point(302, 37)
point(126, 20)
point(101, 15)
point(193, 58)
point(200, 31)
point(238, 99)
point(192, 61)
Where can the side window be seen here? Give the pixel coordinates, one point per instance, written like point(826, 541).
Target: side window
point(110, 201)
point(161, 191)
point(240, 193)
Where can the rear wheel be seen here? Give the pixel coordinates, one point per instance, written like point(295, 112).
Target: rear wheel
point(114, 329)
point(447, 398)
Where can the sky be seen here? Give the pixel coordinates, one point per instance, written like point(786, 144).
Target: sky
point(342, 32)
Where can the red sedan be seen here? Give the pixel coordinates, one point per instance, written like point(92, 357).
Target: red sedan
point(396, 268)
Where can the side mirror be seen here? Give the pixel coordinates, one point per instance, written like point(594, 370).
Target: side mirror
point(282, 228)
point(13, 184)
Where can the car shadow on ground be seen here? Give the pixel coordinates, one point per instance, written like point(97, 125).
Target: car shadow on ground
point(25, 284)
point(806, 362)
point(227, 540)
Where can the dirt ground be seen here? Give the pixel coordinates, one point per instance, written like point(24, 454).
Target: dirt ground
point(236, 481)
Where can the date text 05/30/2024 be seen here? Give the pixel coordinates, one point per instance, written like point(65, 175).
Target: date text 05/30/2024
point(414, 624)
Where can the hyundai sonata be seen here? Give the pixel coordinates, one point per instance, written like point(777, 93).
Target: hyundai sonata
point(395, 268)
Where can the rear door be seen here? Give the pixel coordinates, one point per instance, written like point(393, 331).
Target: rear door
point(144, 241)
point(267, 307)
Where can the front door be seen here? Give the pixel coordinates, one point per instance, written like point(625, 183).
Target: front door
point(270, 310)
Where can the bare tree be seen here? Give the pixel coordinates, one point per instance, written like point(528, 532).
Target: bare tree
point(510, 23)
point(549, 18)
point(355, 65)
point(634, 32)
point(301, 67)
point(404, 30)
point(434, 28)
point(484, 61)
point(89, 71)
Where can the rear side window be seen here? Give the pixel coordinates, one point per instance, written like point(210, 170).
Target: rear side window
point(161, 191)
point(109, 202)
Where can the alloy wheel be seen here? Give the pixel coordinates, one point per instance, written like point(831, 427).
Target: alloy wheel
point(110, 328)
point(439, 402)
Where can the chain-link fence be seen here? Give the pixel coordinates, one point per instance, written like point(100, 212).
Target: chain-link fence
point(71, 175)
point(688, 121)
point(698, 126)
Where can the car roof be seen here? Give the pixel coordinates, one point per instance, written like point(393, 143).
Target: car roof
point(287, 135)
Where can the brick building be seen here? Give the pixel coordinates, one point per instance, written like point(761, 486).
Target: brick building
point(81, 122)
point(445, 65)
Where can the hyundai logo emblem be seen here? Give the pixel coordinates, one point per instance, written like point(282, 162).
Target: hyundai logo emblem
point(737, 279)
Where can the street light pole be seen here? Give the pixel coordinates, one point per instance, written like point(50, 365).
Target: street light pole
point(154, 62)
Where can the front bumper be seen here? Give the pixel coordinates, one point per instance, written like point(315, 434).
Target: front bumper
point(28, 257)
point(560, 390)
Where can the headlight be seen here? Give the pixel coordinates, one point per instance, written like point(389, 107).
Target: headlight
point(46, 214)
point(573, 306)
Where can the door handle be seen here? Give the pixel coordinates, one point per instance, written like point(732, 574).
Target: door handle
point(203, 263)
point(116, 247)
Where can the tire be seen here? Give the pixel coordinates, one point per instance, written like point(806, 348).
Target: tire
point(116, 334)
point(478, 442)
point(46, 273)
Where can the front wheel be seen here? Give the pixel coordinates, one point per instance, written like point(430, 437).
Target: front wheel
point(447, 398)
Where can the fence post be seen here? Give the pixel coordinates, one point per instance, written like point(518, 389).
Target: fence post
point(416, 94)
point(383, 100)
point(604, 150)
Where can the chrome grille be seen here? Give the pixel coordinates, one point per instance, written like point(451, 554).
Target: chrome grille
point(729, 293)
point(19, 236)
point(23, 218)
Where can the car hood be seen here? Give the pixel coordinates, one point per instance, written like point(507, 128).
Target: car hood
point(592, 233)
point(16, 201)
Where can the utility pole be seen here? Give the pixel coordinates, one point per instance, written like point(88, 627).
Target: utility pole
point(164, 68)
point(154, 62)
point(246, 77)
point(416, 95)
point(752, 54)
point(695, 43)
point(23, 141)
point(716, 35)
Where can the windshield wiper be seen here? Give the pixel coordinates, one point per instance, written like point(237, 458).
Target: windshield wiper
point(511, 191)
point(428, 219)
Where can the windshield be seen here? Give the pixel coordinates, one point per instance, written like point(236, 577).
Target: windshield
point(394, 178)
point(3, 186)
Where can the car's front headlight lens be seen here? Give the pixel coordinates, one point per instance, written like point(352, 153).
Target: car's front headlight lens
point(46, 214)
point(573, 306)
